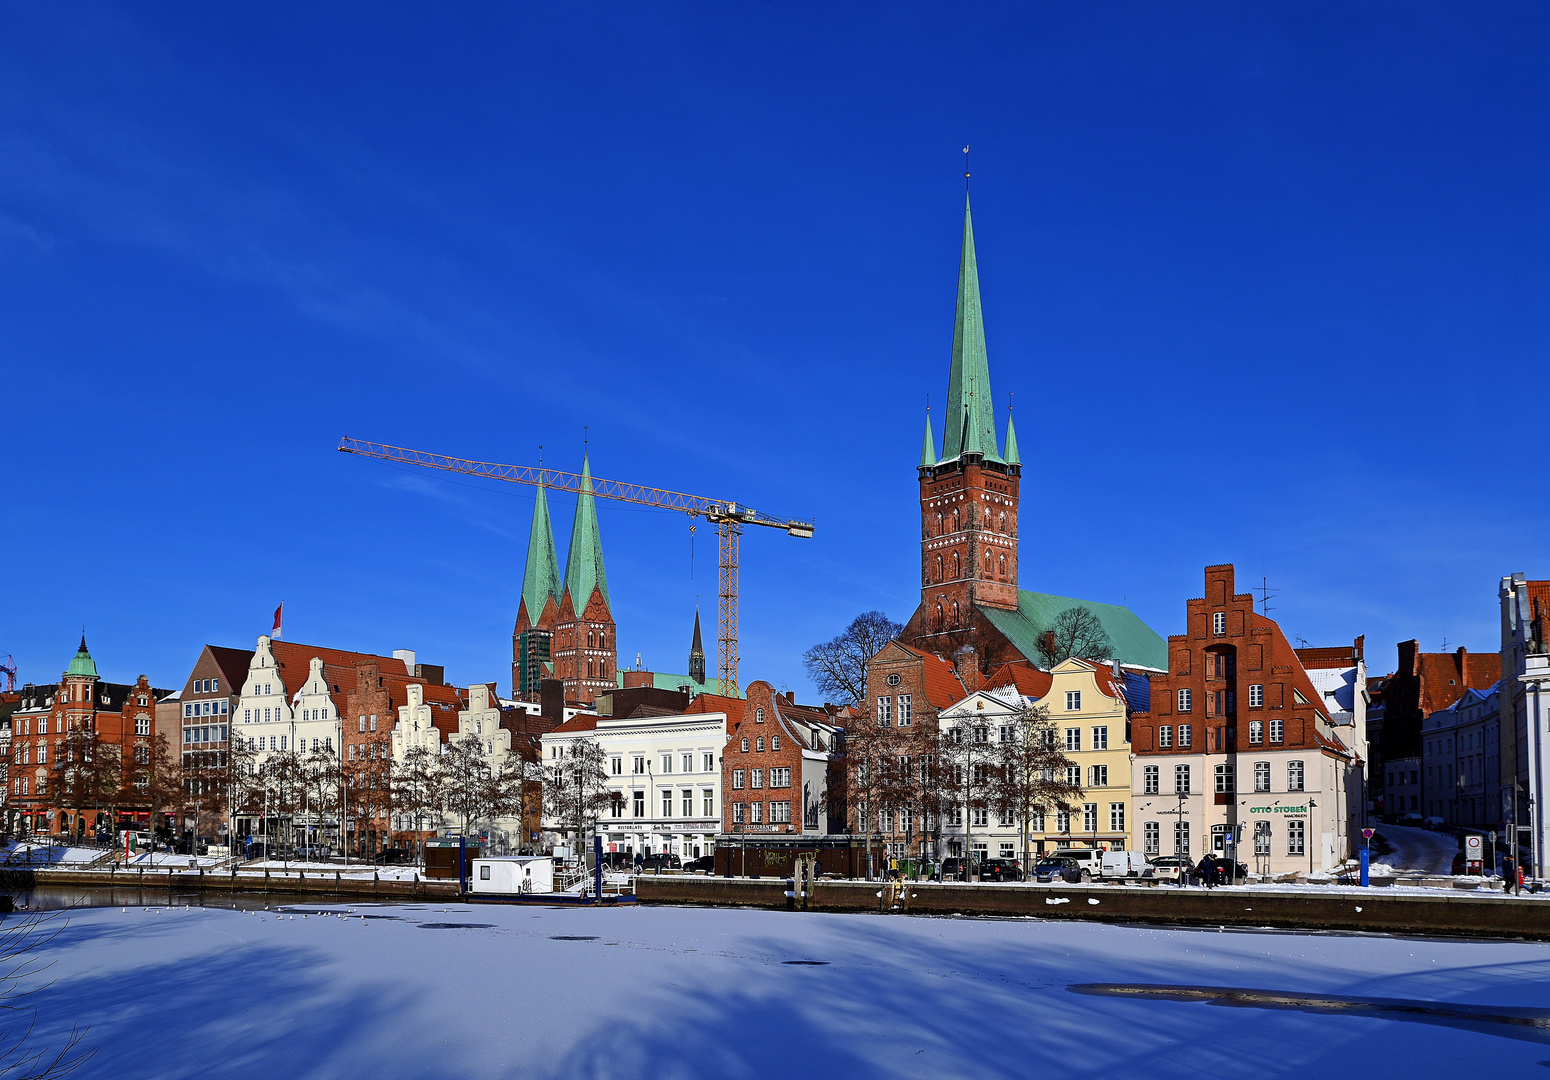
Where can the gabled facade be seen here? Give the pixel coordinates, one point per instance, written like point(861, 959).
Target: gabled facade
point(782, 770)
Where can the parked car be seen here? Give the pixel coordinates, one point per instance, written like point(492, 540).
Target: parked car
point(1411, 820)
point(1123, 864)
point(1088, 860)
point(954, 868)
point(311, 853)
point(259, 849)
point(659, 861)
point(1434, 824)
point(705, 864)
point(393, 855)
point(618, 860)
point(1001, 870)
point(1458, 863)
point(1053, 868)
point(1174, 868)
point(1227, 872)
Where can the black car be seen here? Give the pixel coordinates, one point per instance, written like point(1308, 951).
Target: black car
point(1001, 870)
point(1058, 868)
point(393, 855)
point(660, 861)
point(705, 864)
point(955, 869)
point(1224, 872)
point(618, 860)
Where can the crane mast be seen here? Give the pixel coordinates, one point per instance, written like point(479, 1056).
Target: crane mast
point(728, 516)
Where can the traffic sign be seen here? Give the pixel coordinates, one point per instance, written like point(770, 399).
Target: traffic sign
point(1367, 833)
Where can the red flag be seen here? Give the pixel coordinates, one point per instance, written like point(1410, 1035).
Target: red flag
point(277, 619)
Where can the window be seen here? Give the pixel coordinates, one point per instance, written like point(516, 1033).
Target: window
point(667, 802)
point(780, 813)
point(1073, 700)
point(1218, 838)
point(616, 766)
point(1149, 779)
point(737, 779)
point(1036, 821)
point(1262, 776)
point(774, 743)
point(707, 803)
point(1295, 832)
point(1277, 731)
point(1100, 738)
point(1224, 779)
point(686, 800)
point(640, 804)
point(639, 764)
point(1256, 732)
point(1219, 623)
point(707, 762)
point(780, 778)
point(1098, 776)
point(1090, 817)
point(758, 718)
point(361, 724)
point(1186, 735)
point(688, 763)
point(1294, 776)
point(755, 812)
point(1151, 838)
point(1073, 738)
point(1062, 821)
point(884, 711)
point(906, 710)
point(1165, 736)
point(756, 778)
point(1181, 779)
point(1074, 775)
point(1262, 838)
point(371, 721)
point(142, 725)
point(981, 818)
point(1116, 817)
point(1186, 700)
point(738, 811)
point(1181, 837)
point(188, 710)
point(667, 761)
point(1256, 696)
point(745, 746)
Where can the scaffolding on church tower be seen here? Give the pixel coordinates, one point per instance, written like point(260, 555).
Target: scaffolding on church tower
point(728, 516)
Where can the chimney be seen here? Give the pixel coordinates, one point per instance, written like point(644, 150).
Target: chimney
point(1461, 658)
point(551, 698)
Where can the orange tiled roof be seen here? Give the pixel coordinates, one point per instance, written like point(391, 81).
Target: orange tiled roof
point(709, 703)
point(579, 722)
point(940, 679)
point(1029, 680)
point(1447, 675)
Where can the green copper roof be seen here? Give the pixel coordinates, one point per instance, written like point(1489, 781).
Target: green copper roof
point(1011, 443)
point(83, 664)
point(584, 565)
point(1134, 642)
point(662, 680)
point(971, 421)
point(541, 580)
point(928, 448)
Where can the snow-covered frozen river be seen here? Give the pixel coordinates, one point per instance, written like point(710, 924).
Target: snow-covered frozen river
point(449, 990)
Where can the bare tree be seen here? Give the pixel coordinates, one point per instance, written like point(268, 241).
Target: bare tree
point(838, 666)
point(87, 774)
point(23, 940)
point(1031, 772)
point(1076, 632)
point(465, 781)
point(875, 786)
point(969, 776)
point(516, 790)
point(417, 787)
point(575, 788)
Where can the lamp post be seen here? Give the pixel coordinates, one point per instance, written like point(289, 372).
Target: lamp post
point(1312, 806)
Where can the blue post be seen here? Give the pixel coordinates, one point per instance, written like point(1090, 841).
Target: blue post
point(597, 868)
point(1364, 866)
point(462, 865)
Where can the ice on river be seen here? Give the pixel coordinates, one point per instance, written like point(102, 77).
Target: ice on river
point(439, 990)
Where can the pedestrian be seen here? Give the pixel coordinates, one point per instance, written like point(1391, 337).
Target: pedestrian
point(1206, 871)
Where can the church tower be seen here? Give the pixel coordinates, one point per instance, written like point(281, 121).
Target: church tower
point(542, 589)
point(584, 650)
point(968, 495)
point(697, 653)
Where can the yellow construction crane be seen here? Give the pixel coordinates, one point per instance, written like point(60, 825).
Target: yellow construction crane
point(728, 517)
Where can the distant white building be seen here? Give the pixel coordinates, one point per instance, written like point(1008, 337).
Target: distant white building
point(1525, 715)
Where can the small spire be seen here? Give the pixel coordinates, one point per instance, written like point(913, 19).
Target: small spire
point(928, 446)
point(1011, 440)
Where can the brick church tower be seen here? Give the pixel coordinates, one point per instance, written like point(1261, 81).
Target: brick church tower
point(565, 629)
point(969, 495)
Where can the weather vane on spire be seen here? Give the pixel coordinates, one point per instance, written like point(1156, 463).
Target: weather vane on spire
point(966, 169)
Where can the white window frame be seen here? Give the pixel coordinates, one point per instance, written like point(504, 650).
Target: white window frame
point(1256, 695)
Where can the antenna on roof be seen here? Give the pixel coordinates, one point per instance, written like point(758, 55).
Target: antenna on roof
point(1302, 642)
point(1266, 594)
point(1445, 643)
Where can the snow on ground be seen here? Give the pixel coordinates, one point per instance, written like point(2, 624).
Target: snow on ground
point(280, 868)
point(1418, 849)
point(177, 862)
point(481, 991)
point(37, 854)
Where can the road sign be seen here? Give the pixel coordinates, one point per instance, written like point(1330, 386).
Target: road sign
point(1367, 833)
point(1472, 846)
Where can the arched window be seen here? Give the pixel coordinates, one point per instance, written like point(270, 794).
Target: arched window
point(938, 569)
point(758, 744)
point(957, 567)
point(939, 616)
point(955, 614)
point(745, 746)
point(938, 523)
point(1001, 567)
point(758, 718)
point(1001, 522)
point(955, 519)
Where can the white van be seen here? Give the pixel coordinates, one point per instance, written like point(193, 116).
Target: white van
point(1097, 864)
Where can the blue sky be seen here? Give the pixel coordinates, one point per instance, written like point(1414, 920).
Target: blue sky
point(1268, 284)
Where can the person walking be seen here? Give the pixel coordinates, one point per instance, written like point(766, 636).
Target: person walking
point(1206, 871)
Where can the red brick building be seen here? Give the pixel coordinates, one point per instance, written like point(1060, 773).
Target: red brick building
point(565, 628)
point(782, 771)
point(1237, 749)
point(83, 712)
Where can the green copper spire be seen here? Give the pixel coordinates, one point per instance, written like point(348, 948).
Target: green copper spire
point(83, 664)
point(1011, 443)
point(928, 447)
point(584, 565)
point(542, 577)
point(971, 422)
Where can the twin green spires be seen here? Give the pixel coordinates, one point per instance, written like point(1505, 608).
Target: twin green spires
point(971, 421)
point(584, 567)
point(541, 581)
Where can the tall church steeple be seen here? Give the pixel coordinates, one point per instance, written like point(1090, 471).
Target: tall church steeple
point(584, 570)
point(541, 578)
point(697, 652)
point(585, 651)
point(971, 419)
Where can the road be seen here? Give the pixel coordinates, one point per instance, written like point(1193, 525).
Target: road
point(1417, 849)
